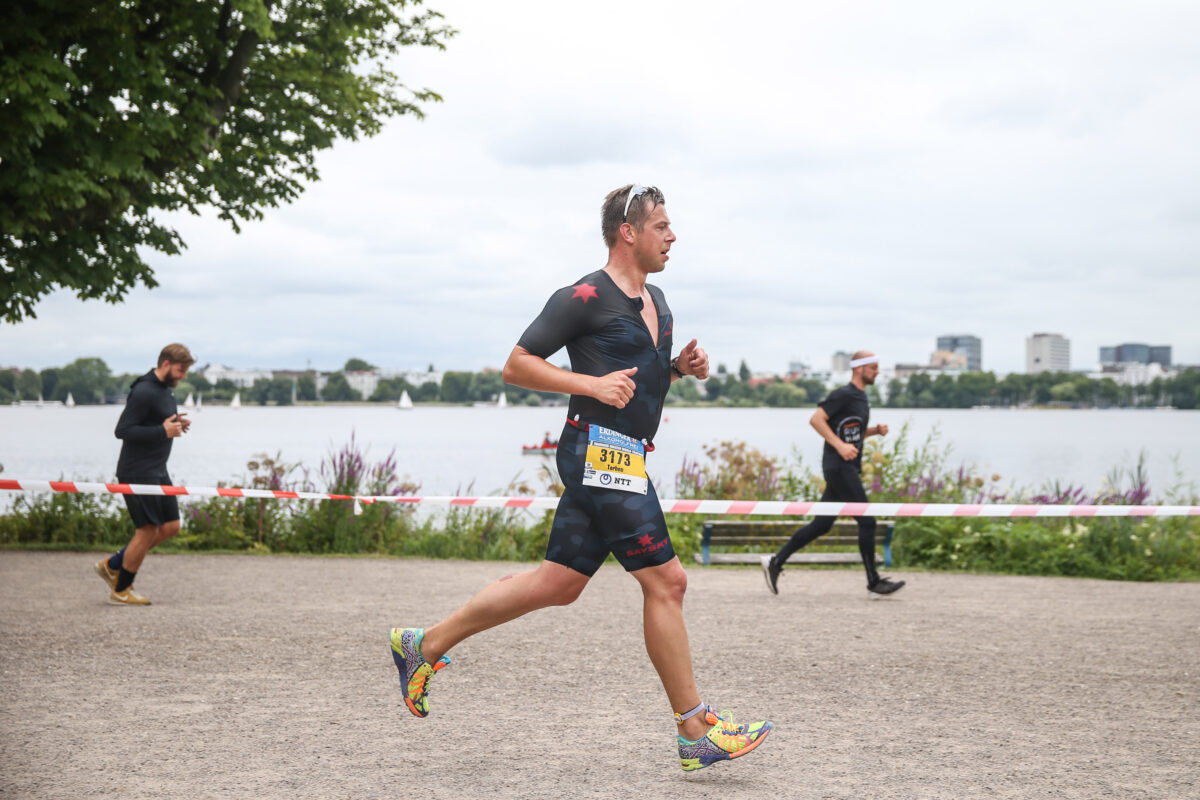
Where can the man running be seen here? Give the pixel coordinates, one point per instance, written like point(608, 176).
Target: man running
point(841, 419)
point(617, 330)
point(146, 427)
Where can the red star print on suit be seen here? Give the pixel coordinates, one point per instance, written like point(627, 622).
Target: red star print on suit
point(645, 541)
point(585, 291)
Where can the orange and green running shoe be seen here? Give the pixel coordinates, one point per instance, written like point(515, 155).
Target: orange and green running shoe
point(415, 671)
point(723, 741)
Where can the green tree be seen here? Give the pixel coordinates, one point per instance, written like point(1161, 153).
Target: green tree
point(744, 371)
point(813, 388)
point(1014, 389)
point(8, 381)
point(487, 386)
point(114, 112)
point(338, 389)
point(784, 395)
point(427, 392)
point(87, 379)
point(920, 390)
point(29, 385)
point(684, 390)
point(273, 390)
point(306, 388)
point(456, 387)
point(1064, 392)
point(358, 365)
point(49, 378)
point(945, 393)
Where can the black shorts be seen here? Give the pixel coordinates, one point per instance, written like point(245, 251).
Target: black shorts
point(592, 522)
point(150, 509)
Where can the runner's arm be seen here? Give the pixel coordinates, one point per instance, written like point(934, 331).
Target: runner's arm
point(528, 371)
point(131, 425)
point(820, 423)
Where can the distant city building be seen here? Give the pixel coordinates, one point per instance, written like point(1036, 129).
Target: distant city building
point(1047, 352)
point(906, 371)
point(1133, 353)
point(365, 381)
point(948, 359)
point(841, 361)
point(1133, 373)
point(242, 378)
point(970, 347)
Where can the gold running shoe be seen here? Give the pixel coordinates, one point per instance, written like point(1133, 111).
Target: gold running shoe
point(127, 598)
point(106, 574)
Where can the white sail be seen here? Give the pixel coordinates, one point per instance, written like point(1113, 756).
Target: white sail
point(70, 401)
point(503, 401)
point(199, 402)
point(190, 402)
point(405, 400)
point(237, 400)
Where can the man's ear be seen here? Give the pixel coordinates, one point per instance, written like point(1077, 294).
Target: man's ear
point(627, 232)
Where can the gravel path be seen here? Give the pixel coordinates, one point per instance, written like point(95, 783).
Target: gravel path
point(269, 677)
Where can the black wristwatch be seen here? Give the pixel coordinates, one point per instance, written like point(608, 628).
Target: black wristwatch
point(675, 367)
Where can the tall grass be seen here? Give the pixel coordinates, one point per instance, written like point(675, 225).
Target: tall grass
point(895, 470)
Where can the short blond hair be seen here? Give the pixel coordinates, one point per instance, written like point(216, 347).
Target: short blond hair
point(176, 353)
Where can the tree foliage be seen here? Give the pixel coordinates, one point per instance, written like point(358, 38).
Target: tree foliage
point(114, 112)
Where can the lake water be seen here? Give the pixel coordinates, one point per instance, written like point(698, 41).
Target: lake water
point(449, 450)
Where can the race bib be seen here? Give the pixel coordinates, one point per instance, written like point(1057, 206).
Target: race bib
point(614, 461)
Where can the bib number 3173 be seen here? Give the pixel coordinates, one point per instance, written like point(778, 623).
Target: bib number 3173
point(614, 461)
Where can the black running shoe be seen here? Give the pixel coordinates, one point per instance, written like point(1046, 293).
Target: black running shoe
point(884, 587)
point(771, 573)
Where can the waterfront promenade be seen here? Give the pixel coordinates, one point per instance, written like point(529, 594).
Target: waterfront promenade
point(265, 677)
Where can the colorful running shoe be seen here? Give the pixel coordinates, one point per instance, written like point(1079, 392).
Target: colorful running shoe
point(726, 716)
point(107, 574)
point(415, 671)
point(723, 741)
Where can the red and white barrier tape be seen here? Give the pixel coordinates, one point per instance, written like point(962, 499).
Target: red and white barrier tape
point(669, 505)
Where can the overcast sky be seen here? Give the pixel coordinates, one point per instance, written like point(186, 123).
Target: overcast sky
point(839, 175)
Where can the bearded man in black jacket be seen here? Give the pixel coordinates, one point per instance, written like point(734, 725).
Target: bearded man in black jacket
point(149, 423)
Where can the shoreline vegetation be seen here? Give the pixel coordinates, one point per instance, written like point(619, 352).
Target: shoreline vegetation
point(89, 381)
point(899, 470)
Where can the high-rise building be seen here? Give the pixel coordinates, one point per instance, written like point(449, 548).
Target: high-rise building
point(964, 344)
point(841, 361)
point(1135, 353)
point(1047, 352)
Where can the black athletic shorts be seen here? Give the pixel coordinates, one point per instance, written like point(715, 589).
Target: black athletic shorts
point(149, 509)
point(592, 522)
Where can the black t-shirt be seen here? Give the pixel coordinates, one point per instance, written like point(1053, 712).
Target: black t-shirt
point(145, 446)
point(849, 412)
point(603, 331)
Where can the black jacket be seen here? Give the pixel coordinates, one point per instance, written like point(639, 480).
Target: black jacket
point(145, 446)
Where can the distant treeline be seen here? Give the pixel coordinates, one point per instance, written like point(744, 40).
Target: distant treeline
point(89, 380)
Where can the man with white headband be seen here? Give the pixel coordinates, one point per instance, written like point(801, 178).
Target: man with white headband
point(841, 419)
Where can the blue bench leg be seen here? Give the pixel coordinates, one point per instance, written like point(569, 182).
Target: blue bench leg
point(887, 545)
point(705, 542)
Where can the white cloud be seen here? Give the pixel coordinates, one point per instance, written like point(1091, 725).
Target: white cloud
point(873, 174)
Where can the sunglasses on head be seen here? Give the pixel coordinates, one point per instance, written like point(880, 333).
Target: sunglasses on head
point(634, 191)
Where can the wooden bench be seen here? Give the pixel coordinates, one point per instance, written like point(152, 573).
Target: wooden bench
point(776, 532)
